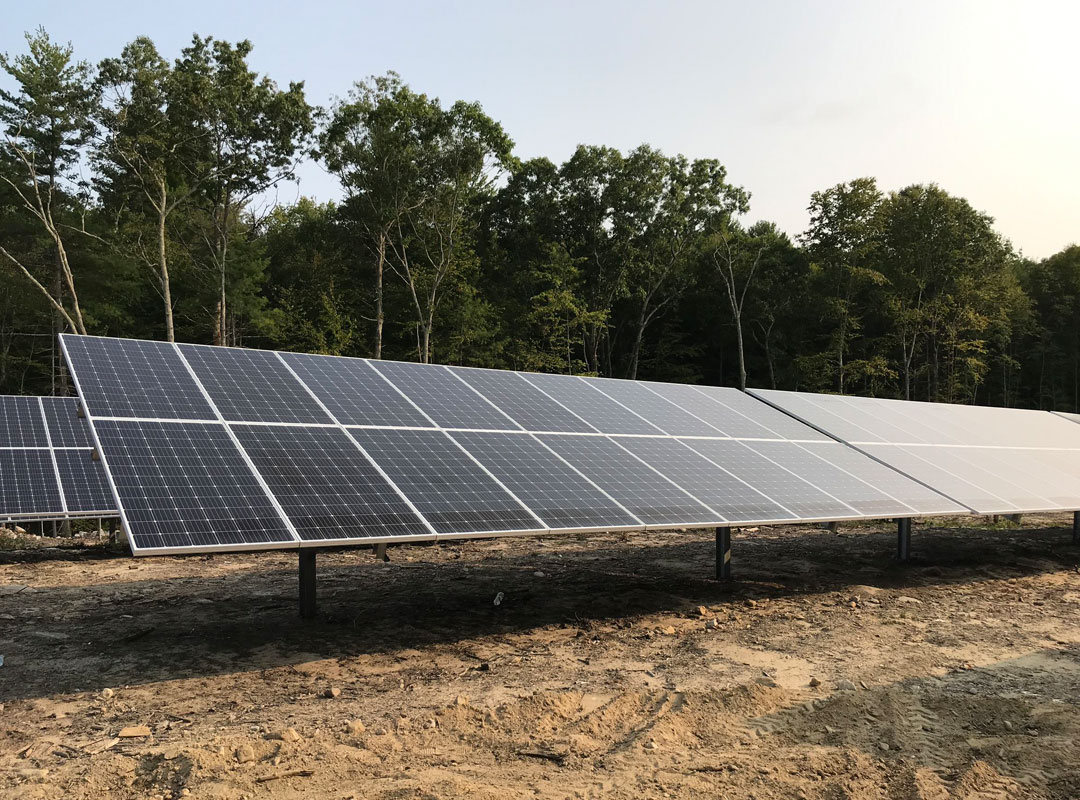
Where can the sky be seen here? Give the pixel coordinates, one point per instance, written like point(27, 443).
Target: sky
point(978, 96)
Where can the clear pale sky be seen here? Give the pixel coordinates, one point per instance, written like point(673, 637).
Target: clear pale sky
point(979, 96)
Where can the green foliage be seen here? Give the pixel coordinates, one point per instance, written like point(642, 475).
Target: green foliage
point(446, 247)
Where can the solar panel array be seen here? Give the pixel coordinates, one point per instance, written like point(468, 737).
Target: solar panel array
point(992, 460)
point(225, 448)
point(47, 468)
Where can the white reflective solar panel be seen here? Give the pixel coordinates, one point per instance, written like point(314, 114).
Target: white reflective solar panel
point(776, 421)
point(20, 422)
point(84, 483)
point(66, 427)
point(993, 460)
point(28, 484)
point(664, 414)
point(726, 420)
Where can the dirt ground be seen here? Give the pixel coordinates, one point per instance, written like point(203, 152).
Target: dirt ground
point(612, 666)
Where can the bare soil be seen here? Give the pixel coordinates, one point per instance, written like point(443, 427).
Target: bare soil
point(613, 666)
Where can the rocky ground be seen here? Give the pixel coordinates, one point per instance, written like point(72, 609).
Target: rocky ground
point(612, 666)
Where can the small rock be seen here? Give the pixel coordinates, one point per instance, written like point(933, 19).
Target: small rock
point(702, 611)
point(355, 727)
point(1008, 725)
point(498, 599)
point(830, 729)
point(107, 694)
point(430, 724)
point(204, 601)
point(669, 630)
point(185, 792)
point(134, 732)
point(712, 625)
point(883, 745)
point(332, 693)
point(289, 735)
point(539, 574)
point(461, 701)
point(245, 754)
point(751, 603)
point(650, 745)
point(845, 685)
point(815, 682)
point(766, 681)
point(912, 601)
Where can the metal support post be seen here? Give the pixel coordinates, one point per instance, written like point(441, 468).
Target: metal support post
point(380, 552)
point(307, 583)
point(112, 531)
point(723, 554)
point(903, 540)
point(1076, 527)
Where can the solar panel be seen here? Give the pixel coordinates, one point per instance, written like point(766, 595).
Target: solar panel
point(915, 496)
point(594, 407)
point(28, 483)
point(354, 392)
point(20, 422)
point(734, 499)
point(252, 385)
point(294, 450)
point(327, 487)
point(84, 483)
point(133, 378)
point(66, 427)
point(185, 485)
point(646, 493)
point(522, 402)
point(451, 490)
point(665, 415)
point(556, 492)
point(720, 416)
point(993, 460)
point(780, 484)
point(443, 397)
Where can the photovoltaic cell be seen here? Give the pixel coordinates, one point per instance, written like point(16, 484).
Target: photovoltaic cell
point(185, 485)
point(449, 489)
point(444, 398)
point(83, 480)
point(66, 427)
point(134, 378)
point(644, 492)
point(556, 493)
point(328, 488)
point(596, 408)
point(252, 385)
point(666, 416)
point(522, 402)
point(710, 484)
point(354, 392)
point(20, 422)
point(28, 483)
point(784, 487)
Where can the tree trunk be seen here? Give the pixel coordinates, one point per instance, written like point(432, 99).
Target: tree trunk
point(163, 268)
point(742, 354)
point(379, 265)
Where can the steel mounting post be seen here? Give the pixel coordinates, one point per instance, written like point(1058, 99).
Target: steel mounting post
point(723, 554)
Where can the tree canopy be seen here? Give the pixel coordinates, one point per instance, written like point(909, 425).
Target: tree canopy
point(136, 200)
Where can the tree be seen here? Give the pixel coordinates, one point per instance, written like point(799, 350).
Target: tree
point(47, 123)
point(842, 242)
point(373, 143)
point(248, 137)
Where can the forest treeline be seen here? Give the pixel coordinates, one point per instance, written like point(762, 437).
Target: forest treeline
point(138, 198)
